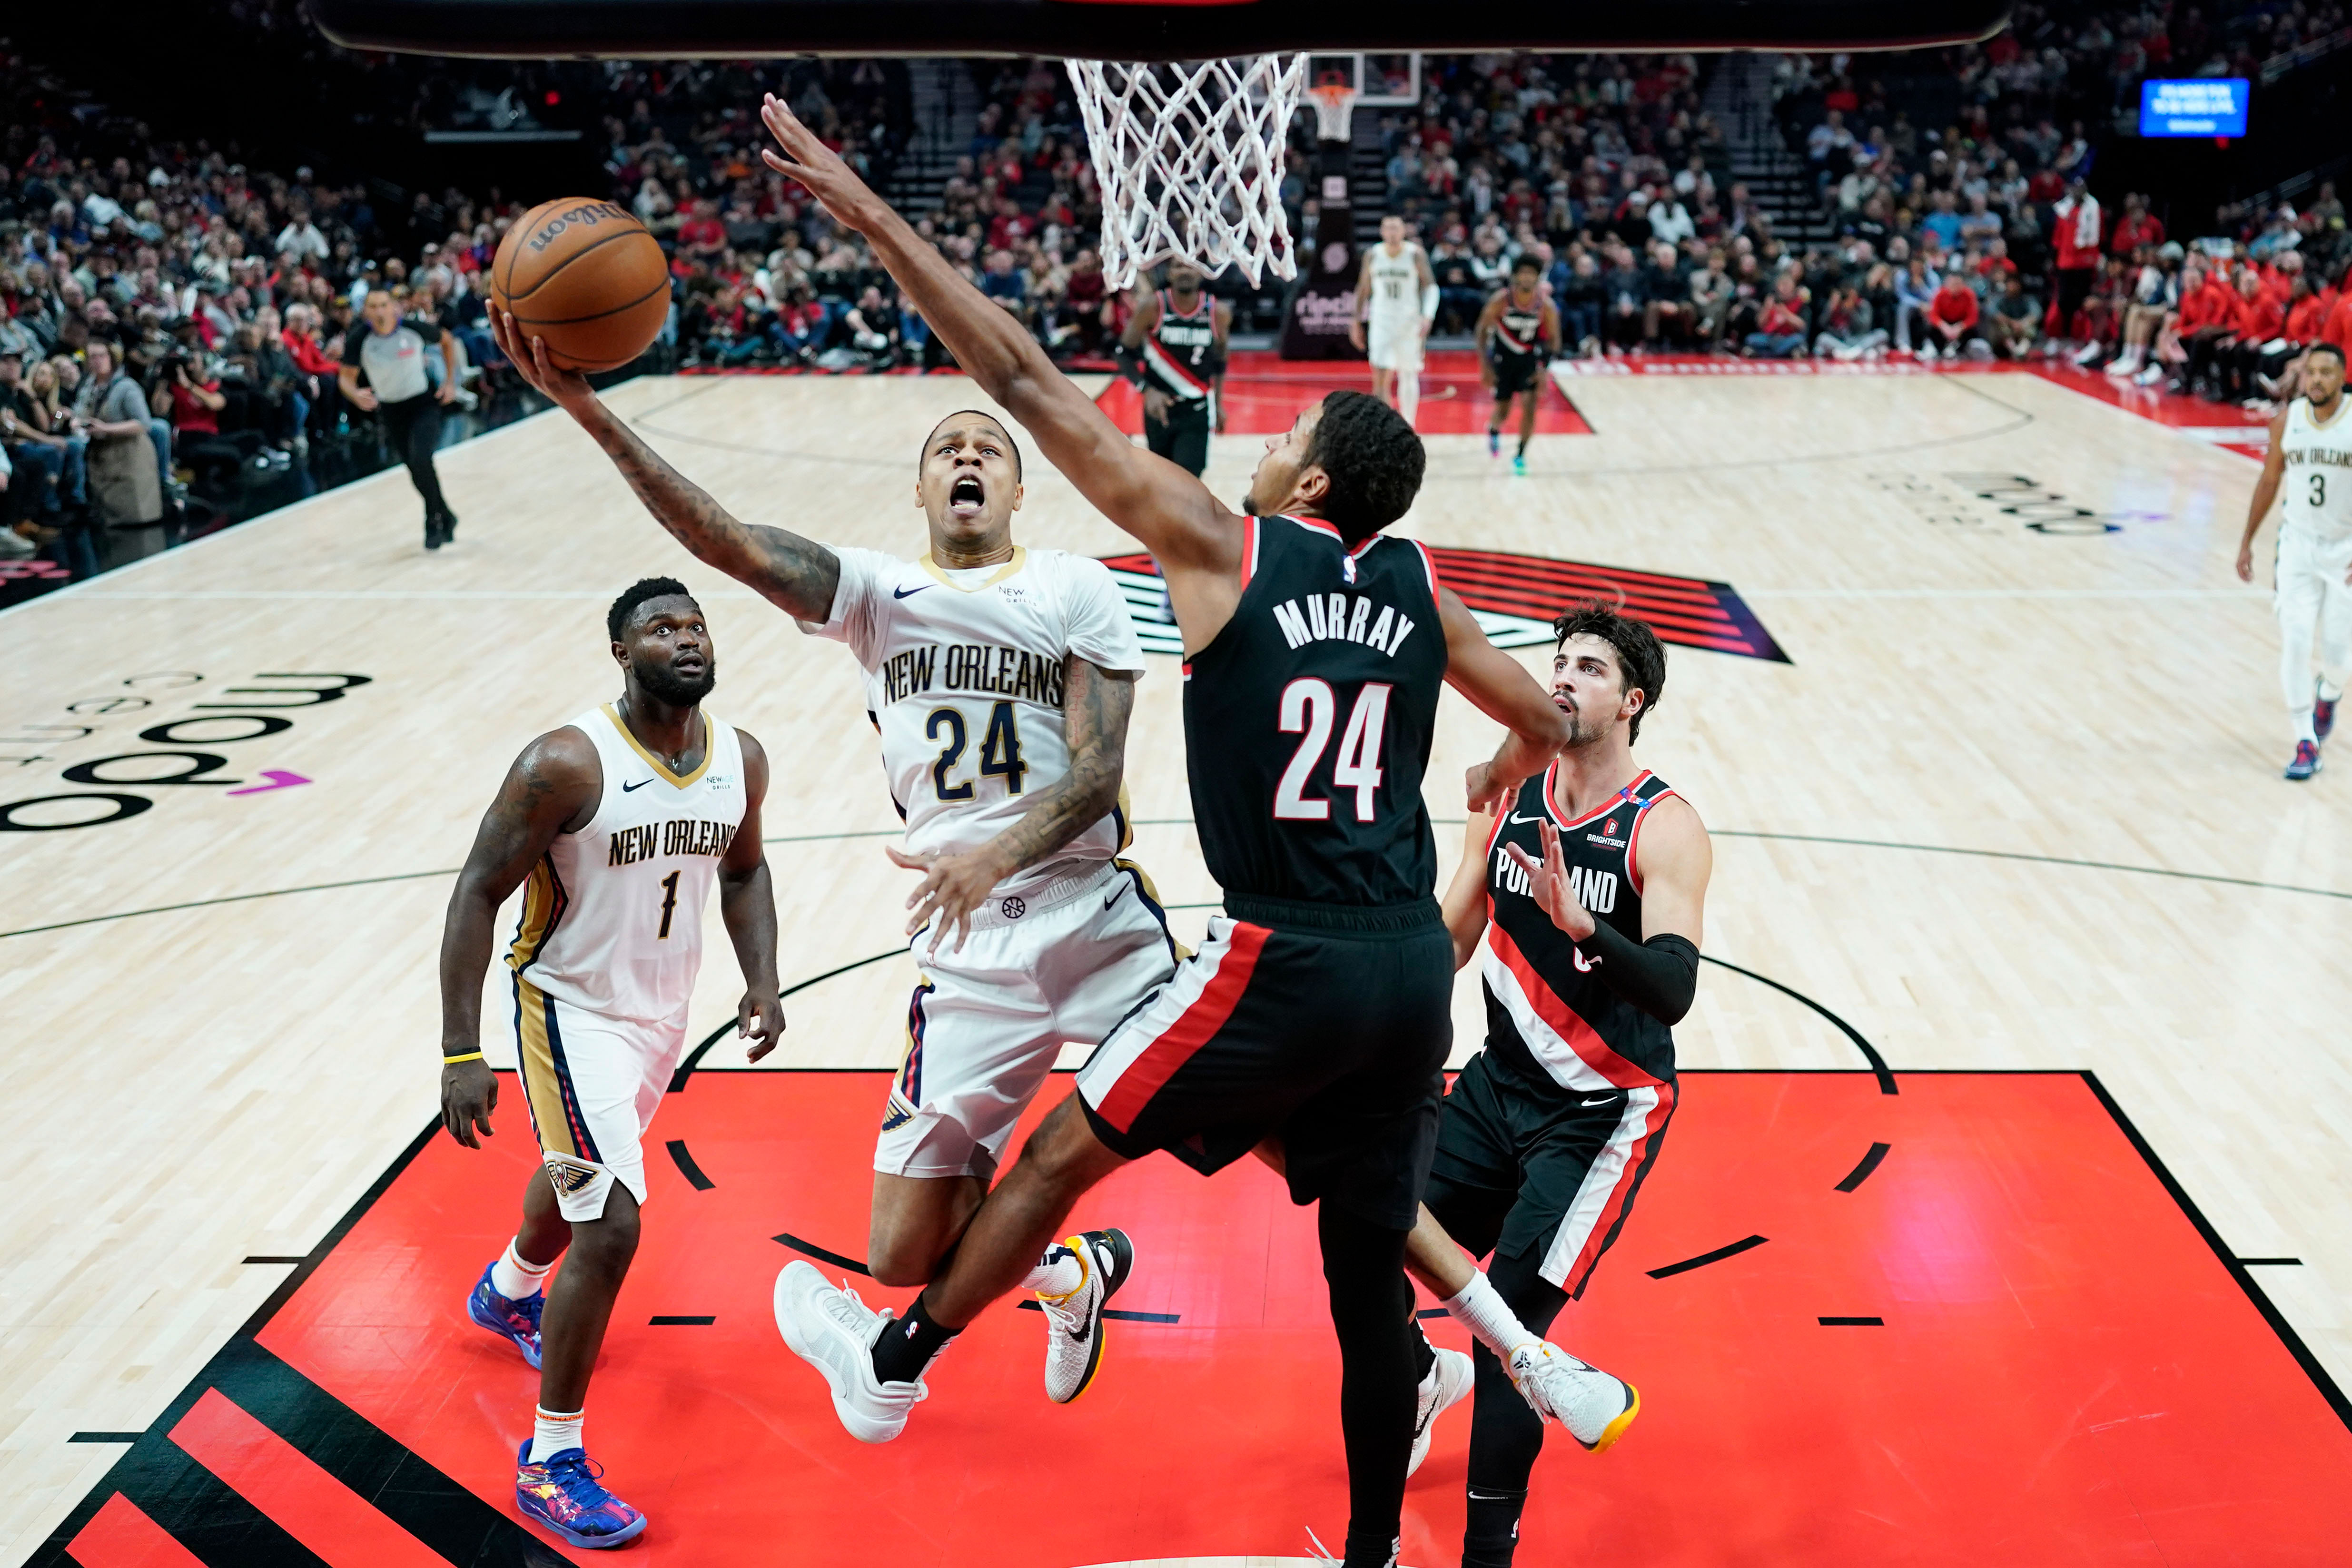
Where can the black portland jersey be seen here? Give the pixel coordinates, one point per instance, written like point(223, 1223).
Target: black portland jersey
point(1307, 720)
point(1545, 1008)
point(1181, 352)
point(1518, 333)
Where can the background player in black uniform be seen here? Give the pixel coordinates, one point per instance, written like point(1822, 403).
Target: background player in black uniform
point(1318, 1009)
point(1581, 899)
point(1175, 346)
point(1519, 335)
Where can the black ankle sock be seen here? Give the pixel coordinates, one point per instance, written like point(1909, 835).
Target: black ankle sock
point(1424, 1354)
point(1493, 1532)
point(909, 1345)
point(1523, 446)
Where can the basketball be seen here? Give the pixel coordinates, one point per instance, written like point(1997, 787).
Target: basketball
point(586, 276)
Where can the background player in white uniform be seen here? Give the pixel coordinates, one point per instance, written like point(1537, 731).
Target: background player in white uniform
point(1396, 296)
point(620, 820)
point(1001, 680)
point(2311, 454)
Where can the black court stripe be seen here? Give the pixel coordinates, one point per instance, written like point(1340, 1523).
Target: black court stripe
point(1853, 1322)
point(258, 1258)
point(106, 1437)
point(1704, 1259)
point(687, 1167)
point(821, 1255)
point(1861, 1173)
point(684, 1322)
point(2270, 1263)
point(1869, 1052)
point(1120, 1313)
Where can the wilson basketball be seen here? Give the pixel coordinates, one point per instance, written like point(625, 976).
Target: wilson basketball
point(586, 275)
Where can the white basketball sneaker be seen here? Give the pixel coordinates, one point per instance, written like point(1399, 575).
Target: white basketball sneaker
point(1074, 1325)
point(1447, 1384)
point(1595, 1408)
point(835, 1332)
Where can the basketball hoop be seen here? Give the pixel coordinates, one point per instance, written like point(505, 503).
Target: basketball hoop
point(1335, 109)
point(1189, 157)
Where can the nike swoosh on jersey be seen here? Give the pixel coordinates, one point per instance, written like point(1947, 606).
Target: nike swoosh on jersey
point(907, 593)
point(1516, 820)
point(1117, 894)
point(638, 785)
point(1598, 1099)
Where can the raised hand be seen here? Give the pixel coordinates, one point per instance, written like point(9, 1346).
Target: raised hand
point(808, 160)
point(953, 887)
point(569, 389)
point(1550, 887)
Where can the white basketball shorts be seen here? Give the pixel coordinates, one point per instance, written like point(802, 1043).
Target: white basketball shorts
point(987, 1023)
point(592, 1083)
point(1395, 341)
point(2312, 597)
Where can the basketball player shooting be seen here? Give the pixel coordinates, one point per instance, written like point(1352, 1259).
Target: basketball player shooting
point(1518, 335)
point(999, 680)
point(619, 821)
point(1318, 1010)
point(2310, 456)
point(1396, 299)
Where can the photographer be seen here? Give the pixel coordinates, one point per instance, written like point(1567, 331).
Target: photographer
point(128, 458)
point(384, 373)
point(188, 392)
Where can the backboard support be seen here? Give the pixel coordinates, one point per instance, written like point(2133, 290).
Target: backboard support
point(1127, 29)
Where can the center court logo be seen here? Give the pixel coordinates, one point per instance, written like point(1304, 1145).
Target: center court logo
point(1514, 598)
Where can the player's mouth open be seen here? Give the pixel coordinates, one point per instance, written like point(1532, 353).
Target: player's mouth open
point(967, 495)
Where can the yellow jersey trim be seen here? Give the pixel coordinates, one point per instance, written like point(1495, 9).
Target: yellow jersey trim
point(709, 748)
point(1020, 559)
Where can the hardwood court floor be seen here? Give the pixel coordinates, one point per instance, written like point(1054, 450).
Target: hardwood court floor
point(2012, 804)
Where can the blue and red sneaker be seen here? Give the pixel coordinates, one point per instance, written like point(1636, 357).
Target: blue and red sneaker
point(563, 1492)
point(2307, 760)
point(514, 1321)
point(2322, 713)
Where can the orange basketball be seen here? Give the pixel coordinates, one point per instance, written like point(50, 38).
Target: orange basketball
point(585, 274)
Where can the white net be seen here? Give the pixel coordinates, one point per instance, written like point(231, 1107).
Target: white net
point(1189, 157)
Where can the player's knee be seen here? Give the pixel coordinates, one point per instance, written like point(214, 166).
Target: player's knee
point(900, 1261)
point(606, 1243)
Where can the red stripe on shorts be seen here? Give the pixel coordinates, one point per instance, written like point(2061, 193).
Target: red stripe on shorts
point(1193, 1029)
point(1612, 1214)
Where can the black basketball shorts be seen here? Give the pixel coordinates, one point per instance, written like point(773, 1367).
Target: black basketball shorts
point(1523, 1165)
point(1328, 1027)
point(1516, 373)
point(1182, 437)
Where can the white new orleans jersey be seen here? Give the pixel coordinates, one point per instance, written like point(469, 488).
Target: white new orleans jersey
point(964, 682)
point(2315, 486)
point(612, 916)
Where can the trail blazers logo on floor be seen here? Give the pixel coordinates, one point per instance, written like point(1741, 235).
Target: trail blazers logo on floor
point(1514, 598)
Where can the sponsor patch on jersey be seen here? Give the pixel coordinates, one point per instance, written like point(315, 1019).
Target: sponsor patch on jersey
point(569, 1176)
point(1515, 599)
point(1013, 908)
point(1604, 841)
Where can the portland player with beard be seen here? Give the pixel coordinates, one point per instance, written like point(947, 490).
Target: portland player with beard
point(999, 680)
point(615, 825)
point(1318, 1009)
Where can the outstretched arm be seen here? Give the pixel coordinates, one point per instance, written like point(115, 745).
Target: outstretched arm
point(1500, 687)
point(1096, 704)
point(2265, 492)
point(796, 574)
point(553, 784)
point(1172, 513)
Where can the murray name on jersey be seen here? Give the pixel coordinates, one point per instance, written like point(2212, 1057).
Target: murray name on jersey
point(1343, 618)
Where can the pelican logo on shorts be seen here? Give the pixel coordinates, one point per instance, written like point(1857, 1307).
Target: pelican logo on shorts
point(1012, 909)
point(896, 1112)
point(568, 1175)
point(1514, 598)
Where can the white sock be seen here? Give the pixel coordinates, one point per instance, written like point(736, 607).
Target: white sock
point(1480, 1308)
point(516, 1277)
point(2306, 727)
point(1408, 393)
point(1058, 1272)
point(552, 1433)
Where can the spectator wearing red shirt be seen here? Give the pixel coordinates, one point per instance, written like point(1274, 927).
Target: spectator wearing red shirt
point(2210, 320)
point(2075, 221)
point(702, 236)
point(2260, 319)
point(2136, 228)
point(1952, 317)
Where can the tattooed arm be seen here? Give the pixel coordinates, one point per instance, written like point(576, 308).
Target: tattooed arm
point(796, 574)
point(552, 789)
point(1095, 703)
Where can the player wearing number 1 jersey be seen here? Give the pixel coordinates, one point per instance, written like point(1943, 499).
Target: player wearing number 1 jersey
point(999, 680)
point(615, 827)
point(1317, 1011)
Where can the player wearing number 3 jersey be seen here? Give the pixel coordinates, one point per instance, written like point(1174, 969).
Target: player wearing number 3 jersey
point(1318, 1010)
point(2308, 471)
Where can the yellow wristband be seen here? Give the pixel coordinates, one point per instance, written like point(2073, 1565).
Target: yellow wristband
point(469, 1056)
